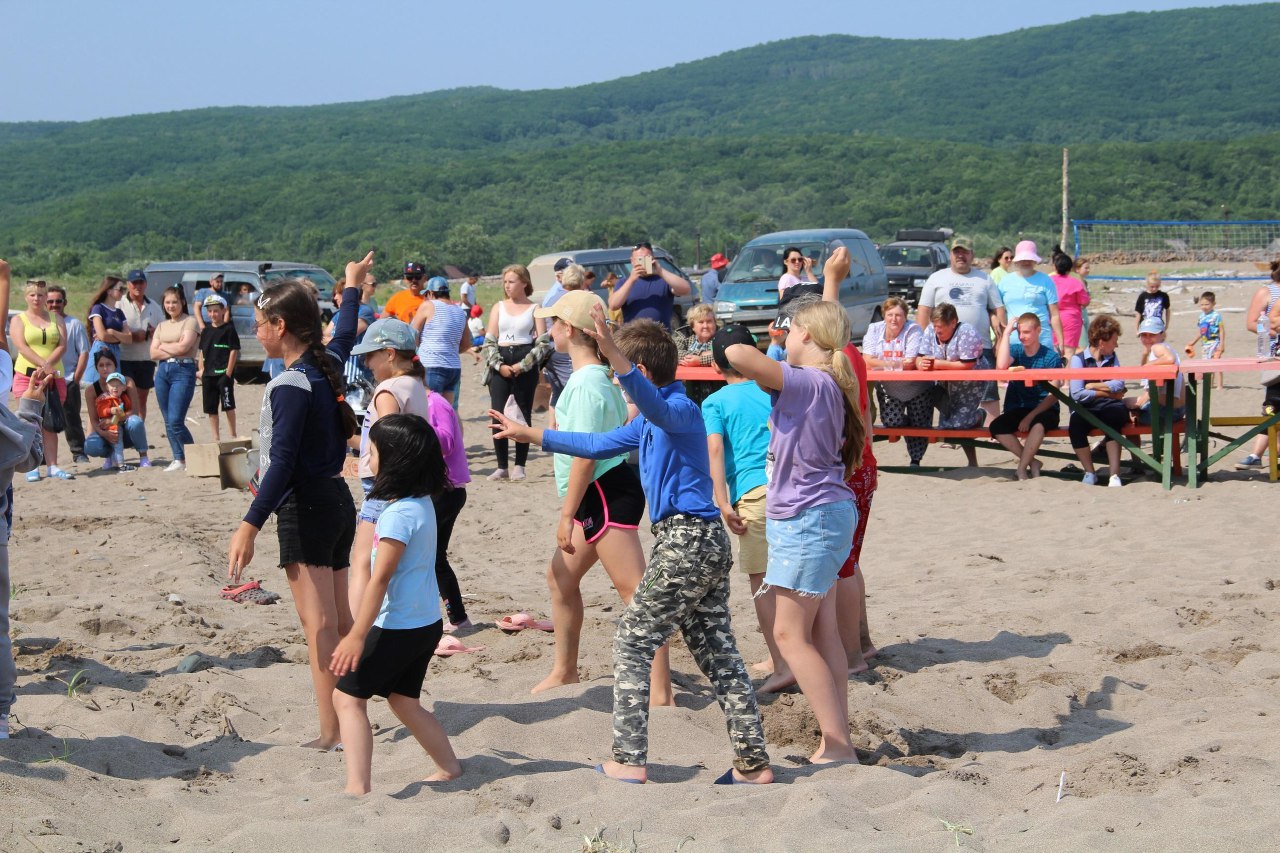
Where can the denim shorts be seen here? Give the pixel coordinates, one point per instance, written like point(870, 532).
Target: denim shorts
point(443, 379)
point(807, 550)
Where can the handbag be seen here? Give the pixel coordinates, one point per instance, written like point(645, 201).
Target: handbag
point(54, 417)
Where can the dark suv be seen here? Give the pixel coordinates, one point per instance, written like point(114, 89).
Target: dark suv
point(912, 257)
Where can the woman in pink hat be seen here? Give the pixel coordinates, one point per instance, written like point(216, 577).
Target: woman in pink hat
point(1027, 291)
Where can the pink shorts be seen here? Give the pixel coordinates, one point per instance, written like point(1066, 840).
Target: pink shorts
point(21, 382)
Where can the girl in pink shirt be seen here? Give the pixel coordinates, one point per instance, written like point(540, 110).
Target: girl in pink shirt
point(1073, 296)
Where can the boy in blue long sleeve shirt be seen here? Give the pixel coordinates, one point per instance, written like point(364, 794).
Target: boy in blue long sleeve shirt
point(686, 584)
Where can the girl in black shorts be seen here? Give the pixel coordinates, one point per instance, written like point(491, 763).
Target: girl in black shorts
point(398, 621)
point(305, 425)
point(602, 501)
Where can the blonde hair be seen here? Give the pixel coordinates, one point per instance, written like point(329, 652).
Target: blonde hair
point(572, 277)
point(698, 312)
point(828, 327)
point(522, 273)
point(1154, 275)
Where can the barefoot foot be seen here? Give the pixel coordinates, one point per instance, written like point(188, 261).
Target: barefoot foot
point(623, 772)
point(444, 775)
point(777, 682)
point(834, 755)
point(325, 745)
point(733, 776)
point(869, 651)
point(764, 667)
point(1034, 468)
point(555, 680)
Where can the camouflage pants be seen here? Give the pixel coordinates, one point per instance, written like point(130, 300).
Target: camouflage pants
point(685, 587)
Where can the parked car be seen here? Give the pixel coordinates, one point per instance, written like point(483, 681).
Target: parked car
point(251, 277)
point(912, 257)
point(749, 289)
point(616, 261)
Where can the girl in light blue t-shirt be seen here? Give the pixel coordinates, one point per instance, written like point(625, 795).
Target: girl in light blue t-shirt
point(398, 623)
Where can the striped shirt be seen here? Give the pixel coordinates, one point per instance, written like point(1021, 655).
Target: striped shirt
point(438, 346)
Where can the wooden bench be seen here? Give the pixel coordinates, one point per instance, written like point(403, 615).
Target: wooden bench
point(981, 437)
point(1252, 421)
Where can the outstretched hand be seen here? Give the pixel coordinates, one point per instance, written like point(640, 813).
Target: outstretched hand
point(39, 382)
point(504, 427)
point(357, 270)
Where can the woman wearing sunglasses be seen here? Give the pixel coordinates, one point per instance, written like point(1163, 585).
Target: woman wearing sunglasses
point(798, 270)
point(40, 341)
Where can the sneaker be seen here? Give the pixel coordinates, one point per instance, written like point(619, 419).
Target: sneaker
point(1089, 478)
point(33, 476)
point(4, 726)
point(125, 469)
point(517, 473)
point(145, 462)
point(499, 474)
point(176, 465)
point(1249, 462)
point(1114, 482)
point(56, 473)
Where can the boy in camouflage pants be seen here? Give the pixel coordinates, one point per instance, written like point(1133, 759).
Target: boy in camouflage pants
point(686, 584)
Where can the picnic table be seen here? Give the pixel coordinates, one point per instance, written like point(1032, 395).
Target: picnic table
point(1163, 458)
point(1200, 421)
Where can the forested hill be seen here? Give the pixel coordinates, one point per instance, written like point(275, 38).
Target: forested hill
point(1100, 84)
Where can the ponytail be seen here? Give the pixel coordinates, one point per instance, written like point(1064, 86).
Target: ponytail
point(855, 426)
point(348, 423)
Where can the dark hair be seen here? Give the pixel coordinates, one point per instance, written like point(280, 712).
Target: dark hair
point(649, 343)
point(57, 288)
point(177, 291)
point(1275, 270)
point(108, 283)
point(946, 312)
point(1208, 294)
point(1061, 261)
point(1102, 328)
point(1000, 253)
point(97, 356)
point(416, 368)
point(294, 302)
point(410, 461)
point(786, 253)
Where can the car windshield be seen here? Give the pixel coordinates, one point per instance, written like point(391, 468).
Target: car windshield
point(906, 256)
point(322, 280)
point(763, 262)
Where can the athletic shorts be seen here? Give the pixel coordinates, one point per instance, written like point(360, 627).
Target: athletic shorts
point(316, 525)
point(614, 499)
point(807, 550)
point(218, 391)
point(1007, 423)
point(753, 547)
point(393, 661)
point(143, 373)
point(863, 482)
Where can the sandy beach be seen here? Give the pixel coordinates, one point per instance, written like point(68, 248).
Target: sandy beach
point(1127, 637)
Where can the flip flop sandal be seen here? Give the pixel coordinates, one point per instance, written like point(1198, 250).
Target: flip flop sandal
point(519, 621)
point(450, 645)
point(249, 593)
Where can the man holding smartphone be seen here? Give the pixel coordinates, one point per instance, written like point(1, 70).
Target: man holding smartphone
point(649, 291)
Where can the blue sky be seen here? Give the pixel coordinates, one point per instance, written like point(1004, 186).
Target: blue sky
point(84, 59)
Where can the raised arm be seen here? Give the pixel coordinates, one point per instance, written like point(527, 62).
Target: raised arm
point(755, 365)
point(834, 271)
point(344, 327)
point(677, 283)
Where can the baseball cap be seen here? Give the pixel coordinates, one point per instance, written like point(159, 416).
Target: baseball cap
point(438, 284)
point(117, 377)
point(1151, 326)
point(476, 310)
point(414, 268)
point(734, 333)
point(796, 297)
point(562, 264)
point(216, 275)
point(962, 243)
point(214, 299)
point(574, 308)
point(387, 333)
point(719, 261)
point(135, 275)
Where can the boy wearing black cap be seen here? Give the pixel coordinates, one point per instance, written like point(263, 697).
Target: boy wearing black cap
point(737, 421)
point(219, 351)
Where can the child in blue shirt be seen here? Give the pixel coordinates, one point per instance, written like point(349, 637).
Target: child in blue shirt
point(737, 422)
point(398, 624)
point(1211, 335)
point(686, 584)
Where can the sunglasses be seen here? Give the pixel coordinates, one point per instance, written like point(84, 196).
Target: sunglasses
point(414, 277)
point(795, 260)
point(645, 245)
point(38, 282)
point(56, 301)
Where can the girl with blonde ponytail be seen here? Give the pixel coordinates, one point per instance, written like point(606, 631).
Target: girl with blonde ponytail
point(816, 442)
point(305, 425)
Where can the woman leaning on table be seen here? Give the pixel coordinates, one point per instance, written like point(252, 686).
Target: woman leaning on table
point(40, 340)
point(173, 348)
point(893, 345)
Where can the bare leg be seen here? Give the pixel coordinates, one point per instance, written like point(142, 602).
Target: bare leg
point(1028, 461)
point(807, 653)
point(623, 560)
point(564, 579)
point(231, 422)
point(764, 613)
point(1085, 455)
point(142, 402)
point(869, 649)
point(312, 588)
point(849, 608)
point(1113, 456)
point(427, 730)
point(357, 741)
point(1010, 442)
point(361, 566)
point(213, 427)
point(50, 446)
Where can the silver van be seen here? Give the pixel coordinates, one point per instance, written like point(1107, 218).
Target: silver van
point(749, 288)
point(242, 282)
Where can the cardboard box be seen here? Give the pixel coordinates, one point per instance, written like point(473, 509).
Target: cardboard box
point(202, 459)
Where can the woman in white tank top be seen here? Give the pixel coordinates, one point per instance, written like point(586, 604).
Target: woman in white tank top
point(512, 359)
